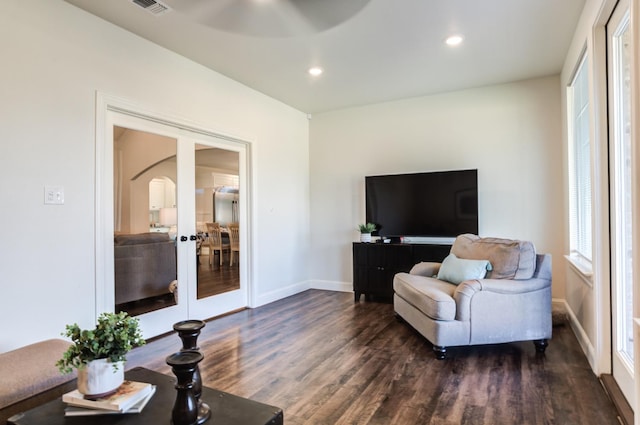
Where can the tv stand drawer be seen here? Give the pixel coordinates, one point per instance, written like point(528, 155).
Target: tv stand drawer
point(374, 265)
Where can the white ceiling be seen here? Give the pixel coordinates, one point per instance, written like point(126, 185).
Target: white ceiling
point(371, 50)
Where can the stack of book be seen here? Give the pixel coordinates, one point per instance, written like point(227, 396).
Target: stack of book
point(131, 397)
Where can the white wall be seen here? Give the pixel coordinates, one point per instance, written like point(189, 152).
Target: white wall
point(54, 59)
point(511, 133)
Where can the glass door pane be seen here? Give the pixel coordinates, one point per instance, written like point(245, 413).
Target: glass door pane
point(217, 209)
point(623, 232)
point(145, 219)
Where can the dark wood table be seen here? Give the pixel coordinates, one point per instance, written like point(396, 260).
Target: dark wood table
point(226, 409)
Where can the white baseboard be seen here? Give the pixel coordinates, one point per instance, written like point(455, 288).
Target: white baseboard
point(578, 330)
point(327, 285)
point(330, 285)
point(281, 293)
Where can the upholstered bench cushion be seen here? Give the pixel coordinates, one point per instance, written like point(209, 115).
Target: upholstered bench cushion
point(431, 296)
point(510, 259)
point(30, 370)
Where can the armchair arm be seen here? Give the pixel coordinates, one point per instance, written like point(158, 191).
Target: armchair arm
point(507, 286)
point(425, 268)
point(467, 289)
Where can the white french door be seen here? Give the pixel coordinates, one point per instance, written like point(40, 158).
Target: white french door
point(153, 151)
point(619, 45)
point(197, 151)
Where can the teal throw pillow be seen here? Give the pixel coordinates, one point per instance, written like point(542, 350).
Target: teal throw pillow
point(455, 270)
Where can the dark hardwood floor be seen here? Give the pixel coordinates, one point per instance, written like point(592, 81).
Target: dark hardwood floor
point(215, 279)
point(327, 360)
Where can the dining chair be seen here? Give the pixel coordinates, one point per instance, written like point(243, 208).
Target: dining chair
point(234, 241)
point(215, 242)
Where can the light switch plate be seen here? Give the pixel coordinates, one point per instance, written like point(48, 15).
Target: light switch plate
point(54, 195)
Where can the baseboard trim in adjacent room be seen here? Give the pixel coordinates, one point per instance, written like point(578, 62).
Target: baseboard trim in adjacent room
point(619, 401)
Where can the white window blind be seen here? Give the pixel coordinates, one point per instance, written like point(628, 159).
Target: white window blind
point(580, 163)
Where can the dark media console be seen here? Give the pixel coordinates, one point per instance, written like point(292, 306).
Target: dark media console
point(375, 264)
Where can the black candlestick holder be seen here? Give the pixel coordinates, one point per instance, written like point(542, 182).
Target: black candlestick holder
point(188, 331)
point(185, 410)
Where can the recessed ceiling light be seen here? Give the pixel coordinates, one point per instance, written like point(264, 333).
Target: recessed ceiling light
point(454, 40)
point(315, 71)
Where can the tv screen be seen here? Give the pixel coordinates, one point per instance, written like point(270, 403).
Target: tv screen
point(433, 204)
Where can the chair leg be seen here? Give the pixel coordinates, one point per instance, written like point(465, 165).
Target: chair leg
point(541, 345)
point(440, 352)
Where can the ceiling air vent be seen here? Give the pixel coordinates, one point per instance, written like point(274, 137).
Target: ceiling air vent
point(152, 6)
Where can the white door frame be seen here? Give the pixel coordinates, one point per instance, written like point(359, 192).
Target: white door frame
point(106, 106)
point(634, 13)
point(622, 369)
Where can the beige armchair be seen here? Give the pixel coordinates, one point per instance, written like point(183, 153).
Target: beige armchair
point(487, 291)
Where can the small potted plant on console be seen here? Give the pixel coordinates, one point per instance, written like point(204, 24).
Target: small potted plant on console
point(99, 354)
point(365, 231)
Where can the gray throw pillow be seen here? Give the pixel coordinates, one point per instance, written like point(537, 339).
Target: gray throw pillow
point(456, 270)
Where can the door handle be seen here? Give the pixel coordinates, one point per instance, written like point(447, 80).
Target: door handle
point(183, 239)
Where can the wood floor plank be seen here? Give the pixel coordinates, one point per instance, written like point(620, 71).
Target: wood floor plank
point(327, 360)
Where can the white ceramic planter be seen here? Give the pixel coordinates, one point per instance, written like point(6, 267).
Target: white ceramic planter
point(365, 237)
point(99, 379)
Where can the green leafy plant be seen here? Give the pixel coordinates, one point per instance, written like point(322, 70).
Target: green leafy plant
point(367, 228)
point(114, 336)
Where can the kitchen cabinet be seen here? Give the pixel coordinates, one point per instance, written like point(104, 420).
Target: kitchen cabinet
point(156, 194)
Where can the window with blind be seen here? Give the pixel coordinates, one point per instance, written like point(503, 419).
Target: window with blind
point(580, 163)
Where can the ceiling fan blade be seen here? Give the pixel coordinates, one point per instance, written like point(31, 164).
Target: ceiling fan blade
point(269, 18)
point(326, 14)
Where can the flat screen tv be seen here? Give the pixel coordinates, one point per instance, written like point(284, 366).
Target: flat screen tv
point(434, 204)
